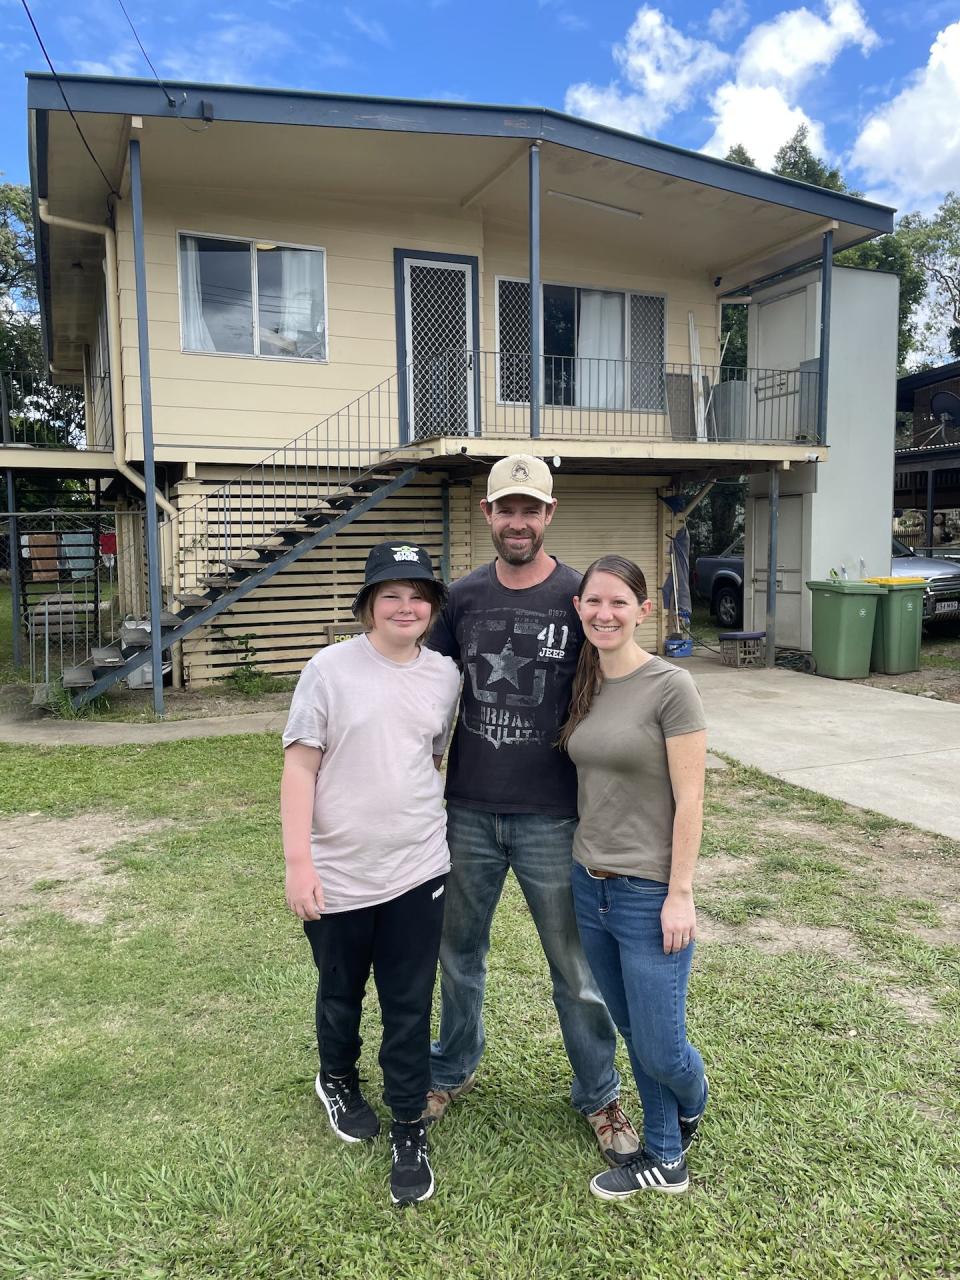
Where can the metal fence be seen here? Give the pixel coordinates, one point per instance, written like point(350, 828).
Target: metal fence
point(39, 415)
point(76, 575)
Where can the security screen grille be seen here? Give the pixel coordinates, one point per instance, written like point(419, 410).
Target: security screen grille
point(646, 352)
point(439, 345)
point(513, 310)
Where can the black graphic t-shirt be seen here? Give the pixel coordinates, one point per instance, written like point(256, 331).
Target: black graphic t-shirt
point(518, 651)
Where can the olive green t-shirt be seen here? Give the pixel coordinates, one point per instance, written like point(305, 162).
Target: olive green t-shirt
point(623, 783)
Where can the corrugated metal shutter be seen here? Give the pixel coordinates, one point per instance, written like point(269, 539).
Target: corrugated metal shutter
point(596, 515)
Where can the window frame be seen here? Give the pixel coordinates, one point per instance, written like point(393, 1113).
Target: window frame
point(251, 242)
point(624, 292)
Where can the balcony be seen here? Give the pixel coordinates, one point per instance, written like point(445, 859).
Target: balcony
point(487, 394)
point(52, 427)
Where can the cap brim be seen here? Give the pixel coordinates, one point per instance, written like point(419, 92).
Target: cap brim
point(526, 490)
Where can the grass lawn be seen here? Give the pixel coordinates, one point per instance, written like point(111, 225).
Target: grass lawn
point(156, 1030)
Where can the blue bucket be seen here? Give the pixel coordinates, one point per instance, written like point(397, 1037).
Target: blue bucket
point(678, 647)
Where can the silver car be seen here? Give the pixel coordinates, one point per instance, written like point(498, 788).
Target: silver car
point(941, 596)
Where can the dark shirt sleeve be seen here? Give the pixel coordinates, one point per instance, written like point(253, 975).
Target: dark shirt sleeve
point(443, 635)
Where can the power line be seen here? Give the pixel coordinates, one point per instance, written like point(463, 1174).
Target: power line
point(163, 88)
point(112, 189)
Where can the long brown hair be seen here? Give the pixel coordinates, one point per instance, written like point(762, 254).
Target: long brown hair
point(589, 677)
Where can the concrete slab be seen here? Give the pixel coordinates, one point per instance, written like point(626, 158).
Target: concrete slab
point(891, 752)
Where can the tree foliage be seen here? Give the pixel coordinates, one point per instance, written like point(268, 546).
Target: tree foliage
point(935, 242)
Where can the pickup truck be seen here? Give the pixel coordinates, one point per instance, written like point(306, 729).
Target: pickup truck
point(719, 581)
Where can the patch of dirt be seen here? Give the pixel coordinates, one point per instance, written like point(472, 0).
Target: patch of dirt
point(944, 682)
point(721, 868)
point(774, 938)
point(793, 827)
point(56, 863)
point(135, 706)
point(916, 1006)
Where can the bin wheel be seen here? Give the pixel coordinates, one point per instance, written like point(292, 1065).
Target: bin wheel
point(808, 666)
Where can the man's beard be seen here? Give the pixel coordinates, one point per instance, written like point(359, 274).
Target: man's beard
point(510, 555)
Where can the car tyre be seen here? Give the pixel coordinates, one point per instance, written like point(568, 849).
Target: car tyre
point(728, 607)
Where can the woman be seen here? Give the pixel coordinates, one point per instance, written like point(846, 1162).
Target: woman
point(636, 733)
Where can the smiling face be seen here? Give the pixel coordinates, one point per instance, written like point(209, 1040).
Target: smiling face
point(517, 525)
point(401, 613)
point(610, 611)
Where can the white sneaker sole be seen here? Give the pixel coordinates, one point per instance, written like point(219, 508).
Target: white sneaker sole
point(328, 1107)
point(415, 1199)
point(671, 1189)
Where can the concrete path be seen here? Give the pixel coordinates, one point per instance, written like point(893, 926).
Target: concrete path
point(87, 733)
point(891, 752)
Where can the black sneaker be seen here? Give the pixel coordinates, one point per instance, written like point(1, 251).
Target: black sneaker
point(690, 1124)
point(352, 1118)
point(411, 1178)
point(645, 1173)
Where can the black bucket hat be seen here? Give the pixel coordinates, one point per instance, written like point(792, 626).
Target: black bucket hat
point(397, 561)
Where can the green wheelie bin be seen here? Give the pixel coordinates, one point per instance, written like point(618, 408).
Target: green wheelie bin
point(896, 632)
point(843, 619)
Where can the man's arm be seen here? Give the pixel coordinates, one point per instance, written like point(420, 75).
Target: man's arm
point(304, 892)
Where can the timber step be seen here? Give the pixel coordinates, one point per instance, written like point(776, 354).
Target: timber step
point(191, 600)
point(108, 655)
point(79, 677)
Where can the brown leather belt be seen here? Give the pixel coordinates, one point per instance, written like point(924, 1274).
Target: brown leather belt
point(602, 875)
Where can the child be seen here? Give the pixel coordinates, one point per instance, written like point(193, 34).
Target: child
point(364, 839)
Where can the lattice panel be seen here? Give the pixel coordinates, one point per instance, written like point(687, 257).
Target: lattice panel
point(513, 316)
point(646, 352)
point(439, 351)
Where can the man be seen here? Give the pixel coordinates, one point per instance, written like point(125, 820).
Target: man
point(512, 797)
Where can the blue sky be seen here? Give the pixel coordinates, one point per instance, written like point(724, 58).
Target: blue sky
point(878, 84)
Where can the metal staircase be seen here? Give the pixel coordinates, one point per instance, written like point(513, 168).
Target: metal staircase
point(240, 535)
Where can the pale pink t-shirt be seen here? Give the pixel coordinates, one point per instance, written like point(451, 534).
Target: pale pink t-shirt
point(379, 825)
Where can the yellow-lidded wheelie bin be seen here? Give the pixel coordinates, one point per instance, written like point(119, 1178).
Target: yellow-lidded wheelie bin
point(844, 614)
point(896, 632)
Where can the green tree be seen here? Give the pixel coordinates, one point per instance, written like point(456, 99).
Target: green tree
point(20, 344)
point(935, 241)
point(796, 160)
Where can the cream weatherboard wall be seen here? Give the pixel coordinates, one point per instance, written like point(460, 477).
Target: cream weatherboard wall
point(228, 408)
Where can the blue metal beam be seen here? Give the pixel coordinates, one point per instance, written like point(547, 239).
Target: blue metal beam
point(826, 297)
point(146, 417)
point(536, 299)
point(205, 615)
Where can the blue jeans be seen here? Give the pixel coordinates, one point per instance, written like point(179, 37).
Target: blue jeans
point(483, 846)
point(646, 992)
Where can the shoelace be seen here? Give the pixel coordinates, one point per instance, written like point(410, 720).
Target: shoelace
point(409, 1149)
point(616, 1121)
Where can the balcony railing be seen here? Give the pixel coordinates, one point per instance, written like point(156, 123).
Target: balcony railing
point(487, 393)
point(39, 415)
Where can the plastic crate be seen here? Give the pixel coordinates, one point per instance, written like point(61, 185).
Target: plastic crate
point(743, 648)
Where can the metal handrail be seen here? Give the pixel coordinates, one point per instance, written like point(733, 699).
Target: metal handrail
point(41, 415)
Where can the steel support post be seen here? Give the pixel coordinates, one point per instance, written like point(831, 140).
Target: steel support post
point(772, 567)
point(445, 512)
point(14, 534)
point(931, 476)
point(826, 294)
point(536, 301)
point(146, 413)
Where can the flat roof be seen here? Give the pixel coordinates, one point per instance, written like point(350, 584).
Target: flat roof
point(195, 101)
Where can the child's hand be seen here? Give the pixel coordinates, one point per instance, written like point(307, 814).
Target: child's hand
point(304, 892)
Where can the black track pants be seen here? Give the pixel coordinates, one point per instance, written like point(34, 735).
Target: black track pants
point(400, 941)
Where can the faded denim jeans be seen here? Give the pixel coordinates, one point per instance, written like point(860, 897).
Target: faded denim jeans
point(483, 847)
point(646, 992)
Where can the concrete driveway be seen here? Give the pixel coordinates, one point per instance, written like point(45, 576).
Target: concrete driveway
point(891, 752)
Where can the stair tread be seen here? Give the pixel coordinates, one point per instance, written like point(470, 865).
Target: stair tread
point(78, 677)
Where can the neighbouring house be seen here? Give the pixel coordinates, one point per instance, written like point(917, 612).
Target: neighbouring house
point(927, 470)
point(347, 308)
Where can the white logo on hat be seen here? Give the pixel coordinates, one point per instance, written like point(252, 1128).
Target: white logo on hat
point(406, 553)
point(519, 471)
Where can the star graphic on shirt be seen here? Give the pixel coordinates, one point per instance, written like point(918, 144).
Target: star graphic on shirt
point(505, 665)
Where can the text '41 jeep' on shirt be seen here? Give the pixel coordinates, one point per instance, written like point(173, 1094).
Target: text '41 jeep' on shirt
point(518, 650)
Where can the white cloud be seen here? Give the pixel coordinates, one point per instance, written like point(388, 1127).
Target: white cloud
point(124, 61)
point(727, 18)
point(759, 117)
point(235, 54)
point(909, 149)
point(368, 27)
point(792, 47)
point(661, 70)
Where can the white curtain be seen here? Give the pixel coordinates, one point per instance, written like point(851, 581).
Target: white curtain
point(196, 335)
point(301, 298)
point(600, 350)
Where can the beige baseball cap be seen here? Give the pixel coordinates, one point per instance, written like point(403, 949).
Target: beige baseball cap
point(520, 473)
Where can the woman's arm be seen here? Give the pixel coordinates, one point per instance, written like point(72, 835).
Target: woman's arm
point(687, 762)
point(304, 892)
